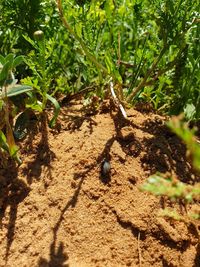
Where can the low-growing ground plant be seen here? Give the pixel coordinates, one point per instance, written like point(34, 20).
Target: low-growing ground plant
point(168, 185)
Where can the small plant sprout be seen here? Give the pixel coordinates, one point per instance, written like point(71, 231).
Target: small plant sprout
point(170, 186)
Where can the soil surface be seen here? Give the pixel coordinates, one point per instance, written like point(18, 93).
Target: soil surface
point(60, 209)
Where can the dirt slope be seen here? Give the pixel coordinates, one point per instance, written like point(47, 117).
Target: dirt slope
point(57, 209)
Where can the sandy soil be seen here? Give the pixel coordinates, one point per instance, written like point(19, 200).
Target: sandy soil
point(58, 209)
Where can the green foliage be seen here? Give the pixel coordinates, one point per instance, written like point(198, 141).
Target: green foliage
point(19, 17)
point(150, 48)
point(180, 128)
point(8, 89)
point(41, 79)
point(170, 213)
point(170, 187)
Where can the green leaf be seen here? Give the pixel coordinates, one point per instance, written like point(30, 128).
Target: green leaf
point(189, 111)
point(3, 142)
point(5, 71)
point(32, 102)
point(18, 60)
point(35, 106)
point(2, 60)
point(21, 125)
point(56, 111)
point(9, 58)
point(18, 89)
point(28, 39)
point(109, 63)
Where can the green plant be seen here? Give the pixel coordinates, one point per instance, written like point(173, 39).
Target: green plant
point(169, 186)
point(179, 127)
point(41, 80)
point(172, 188)
point(19, 17)
point(8, 89)
point(144, 47)
point(150, 48)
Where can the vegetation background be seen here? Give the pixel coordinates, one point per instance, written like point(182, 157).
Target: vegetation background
point(153, 42)
point(150, 50)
